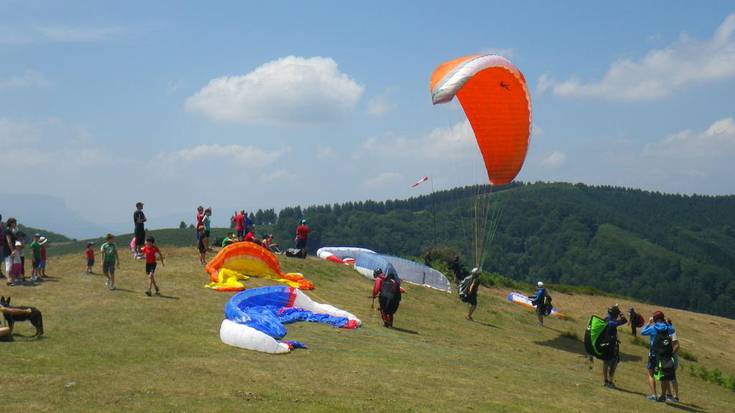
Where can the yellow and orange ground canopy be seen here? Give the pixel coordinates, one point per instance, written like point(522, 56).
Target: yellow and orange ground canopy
point(495, 98)
point(237, 262)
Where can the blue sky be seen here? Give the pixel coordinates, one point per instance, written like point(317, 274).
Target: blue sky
point(268, 104)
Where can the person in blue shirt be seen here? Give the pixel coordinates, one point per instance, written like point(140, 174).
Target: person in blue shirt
point(614, 320)
point(539, 300)
point(656, 325)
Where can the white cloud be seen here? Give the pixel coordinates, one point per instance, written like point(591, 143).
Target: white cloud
point(456, 142)
point(661, 72)
point(699, 151)
point(29, 79)
point(70, 34)
point(290, 90)
point(384, 179)
point(381, 104)
point(327, 152)
point(57, 34)
point(554, 159)
point(244, 156)
point(505, 52)
point(15, 133)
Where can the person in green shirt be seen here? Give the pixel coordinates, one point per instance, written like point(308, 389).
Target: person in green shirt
point(229, 239)
point(36, 248)
point(110, 259)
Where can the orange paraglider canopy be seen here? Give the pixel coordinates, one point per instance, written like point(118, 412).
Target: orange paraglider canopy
point(494, 96)
point(239, 261)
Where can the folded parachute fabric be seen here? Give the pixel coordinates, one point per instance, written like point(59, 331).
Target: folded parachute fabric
point(255, 318)
point(237, 262)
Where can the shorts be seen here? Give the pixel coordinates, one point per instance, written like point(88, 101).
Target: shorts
point(16, 269)
point(240, 233)
point(206, 233)
point(651, 363)
point(470, 299)
point(42, 264)
point(150, 267)
point(37, 264)
point(90, 262)
point(108, 267)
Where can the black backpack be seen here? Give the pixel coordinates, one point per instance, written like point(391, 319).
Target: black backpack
point(662, 345)
point(390, 288)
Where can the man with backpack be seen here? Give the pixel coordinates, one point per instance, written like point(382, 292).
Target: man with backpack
point(387, 288)
point(542, 300)
point(661, 355)
point(610, 360)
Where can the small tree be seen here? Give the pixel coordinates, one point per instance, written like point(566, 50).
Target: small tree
point(182, 225)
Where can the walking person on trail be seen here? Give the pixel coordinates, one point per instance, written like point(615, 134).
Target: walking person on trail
point(44, 257)
point(110, 260)
point(660, 356)
point(387, 288)
point(468, 291)
point(139, 221)
point(614, 320)
point(89, 255)
point(542, 300)
point(207, 221)
point(151, 251)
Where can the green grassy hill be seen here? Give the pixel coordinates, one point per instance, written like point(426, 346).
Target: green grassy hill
point(123, 351)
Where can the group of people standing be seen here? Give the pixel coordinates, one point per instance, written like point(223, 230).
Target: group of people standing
point(662, 361)
point(12, 254)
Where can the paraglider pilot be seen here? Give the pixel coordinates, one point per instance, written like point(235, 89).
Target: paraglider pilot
point(387, 288)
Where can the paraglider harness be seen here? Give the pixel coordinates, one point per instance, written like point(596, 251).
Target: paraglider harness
point(600, 340)
point(543, 304)
point(663, 351)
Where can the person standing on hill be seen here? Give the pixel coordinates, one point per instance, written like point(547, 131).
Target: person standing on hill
point(302, 236)
point(89, 255)
point(36, 262)
point(239, 220)
point(207, 221)
point(674, 383)
point(2, 247)
point(634, 320)
point(468, 291)
point(9, 239)
point(660, 354)
point(139, 221)
point(388, 290)
point(458, 269)
point(110, 260)
point(614, 320)
point(44, 257)
point(541, 300)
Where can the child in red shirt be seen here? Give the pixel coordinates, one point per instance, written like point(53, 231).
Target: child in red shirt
point(150, 250)
point(89, 253)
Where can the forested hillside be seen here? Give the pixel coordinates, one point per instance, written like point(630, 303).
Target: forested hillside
point(668, 249)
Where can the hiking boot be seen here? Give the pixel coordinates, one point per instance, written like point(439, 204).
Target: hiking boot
point(148, 293)
point(661, 399)
point(672, 399)
point(652, 398)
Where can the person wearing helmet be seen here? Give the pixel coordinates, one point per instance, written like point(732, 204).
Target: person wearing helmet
point(660, 355)
point(541, 300)
point(388, 290)
point(614, 320)
point(468, 290)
